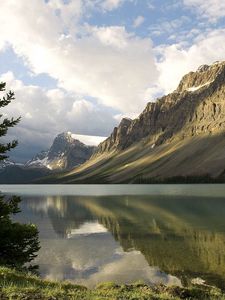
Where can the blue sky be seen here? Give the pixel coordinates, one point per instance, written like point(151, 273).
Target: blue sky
point(82, 65)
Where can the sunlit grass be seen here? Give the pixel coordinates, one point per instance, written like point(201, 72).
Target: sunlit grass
point(18, 285)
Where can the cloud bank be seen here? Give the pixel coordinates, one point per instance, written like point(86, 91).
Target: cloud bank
point(102, 70)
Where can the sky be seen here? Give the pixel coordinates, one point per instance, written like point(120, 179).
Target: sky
point(82, 65)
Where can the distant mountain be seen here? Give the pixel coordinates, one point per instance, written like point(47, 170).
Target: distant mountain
point(65, 153)
point(179, 135)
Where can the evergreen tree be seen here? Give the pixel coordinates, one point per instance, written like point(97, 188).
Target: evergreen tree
point(6, 123)
point(18, 242)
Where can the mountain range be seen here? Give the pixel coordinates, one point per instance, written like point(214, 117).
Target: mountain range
point(65, 153)
point(179, 136)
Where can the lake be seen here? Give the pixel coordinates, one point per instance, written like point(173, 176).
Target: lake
point(166, 234)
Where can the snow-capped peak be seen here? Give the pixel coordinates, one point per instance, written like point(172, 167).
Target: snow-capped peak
point(66, 152)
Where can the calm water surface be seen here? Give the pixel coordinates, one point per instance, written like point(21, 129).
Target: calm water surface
point(166, 234)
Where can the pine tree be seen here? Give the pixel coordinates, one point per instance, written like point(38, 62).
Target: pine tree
point(18, 242)
point(6, 123)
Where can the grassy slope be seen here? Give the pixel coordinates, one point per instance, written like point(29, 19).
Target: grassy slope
point(192, 156)
point(15, 285)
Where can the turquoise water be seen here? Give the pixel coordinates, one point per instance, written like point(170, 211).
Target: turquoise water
point(166, 234)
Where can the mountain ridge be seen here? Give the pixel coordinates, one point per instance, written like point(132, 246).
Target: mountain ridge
point(168, 138)
point(154, 120)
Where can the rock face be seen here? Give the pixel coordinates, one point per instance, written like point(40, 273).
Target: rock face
point(117, 137)
point(196, 107)
point(65, 153)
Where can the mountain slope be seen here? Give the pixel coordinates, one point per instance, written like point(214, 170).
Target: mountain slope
point(181, 134)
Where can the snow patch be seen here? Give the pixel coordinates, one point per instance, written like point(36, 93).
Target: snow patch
point(39, 162)
point(195, 88)
point(89, 140)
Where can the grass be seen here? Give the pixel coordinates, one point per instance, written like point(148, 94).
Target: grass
point(18, 285)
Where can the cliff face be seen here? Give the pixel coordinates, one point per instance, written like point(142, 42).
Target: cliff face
point(197, 106)
point(117, 137)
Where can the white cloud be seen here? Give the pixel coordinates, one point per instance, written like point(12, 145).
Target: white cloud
point(169, 27)
point(46, 113)
point(73, 9)
point(111, 4)
point(105, 63)
point(212, 9)
point(138, 21)
point(115, 36)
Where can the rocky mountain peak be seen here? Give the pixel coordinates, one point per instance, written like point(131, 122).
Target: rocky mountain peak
point(205, 75)
point(61, 143)
point(65, 153)
point(196, 107)
point(64, 137)
point(203, 68)
point(125, 122)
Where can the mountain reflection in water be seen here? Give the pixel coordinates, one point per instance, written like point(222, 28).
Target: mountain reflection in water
point(157, 239)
